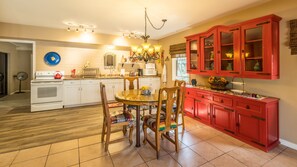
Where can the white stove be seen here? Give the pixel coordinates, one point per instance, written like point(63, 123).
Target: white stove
point(46, 91)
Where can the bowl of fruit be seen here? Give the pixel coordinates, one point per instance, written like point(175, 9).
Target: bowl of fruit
point(217, 83)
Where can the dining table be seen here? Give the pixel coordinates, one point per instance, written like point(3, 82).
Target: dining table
point(136, 98)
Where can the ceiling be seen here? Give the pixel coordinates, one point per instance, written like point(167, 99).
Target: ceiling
point(119, 16)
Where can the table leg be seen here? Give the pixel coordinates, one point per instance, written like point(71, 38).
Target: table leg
point(137, 126)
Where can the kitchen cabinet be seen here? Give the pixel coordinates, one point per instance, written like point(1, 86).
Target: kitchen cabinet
point(249, 49)
point(81, 92)
point(254, 121)
point(192, 52)
point(202, 111)
point(112, 87)
point(260, 48)
point(223, 118)
point(189, 106)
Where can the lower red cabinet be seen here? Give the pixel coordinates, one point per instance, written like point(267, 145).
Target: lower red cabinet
point(254, 121)
point(189, 106)
point(202, 111)
point(251, 128)
point(223, 118)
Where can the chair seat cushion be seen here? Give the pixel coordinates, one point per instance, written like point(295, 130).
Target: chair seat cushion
point(123, 117)
point(150, 121)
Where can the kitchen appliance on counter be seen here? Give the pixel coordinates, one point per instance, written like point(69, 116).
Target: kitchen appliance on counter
point(47, 90)
point(150, 69)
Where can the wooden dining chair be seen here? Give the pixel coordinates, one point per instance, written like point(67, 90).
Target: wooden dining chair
point(182, 85)
point(129, 85)
point(163, 122)
point(124, 119)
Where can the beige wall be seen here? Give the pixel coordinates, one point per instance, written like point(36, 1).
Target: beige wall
point(285, 88)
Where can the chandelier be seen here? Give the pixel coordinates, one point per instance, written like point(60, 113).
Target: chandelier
point(146, 52)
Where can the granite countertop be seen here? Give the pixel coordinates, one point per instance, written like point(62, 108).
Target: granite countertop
point(229, 92)
point(68, 77)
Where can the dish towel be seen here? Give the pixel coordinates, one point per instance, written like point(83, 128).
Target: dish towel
point(164, 74)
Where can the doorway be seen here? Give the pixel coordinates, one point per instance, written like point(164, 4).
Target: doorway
point(3, 74)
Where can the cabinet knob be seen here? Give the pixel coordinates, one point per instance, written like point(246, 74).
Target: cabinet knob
point(188, 92)
point(202, 96)
point(222, 101)
point(247, 107)
point(214, 116)
point(237, 124)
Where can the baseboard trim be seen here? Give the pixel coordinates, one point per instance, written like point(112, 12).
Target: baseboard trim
point(288, 144)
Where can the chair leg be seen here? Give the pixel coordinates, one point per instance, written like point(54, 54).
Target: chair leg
point(125, 130)
point(130, 135)
point(144, 128)
point(157, 138)
point(176, 139)
point(183, 120)
point(107, 138)
point(103, 131)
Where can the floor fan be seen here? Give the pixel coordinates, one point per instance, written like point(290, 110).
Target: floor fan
point(21, 76)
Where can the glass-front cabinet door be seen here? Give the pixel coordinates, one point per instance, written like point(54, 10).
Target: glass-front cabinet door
point(208, 52)
point(229, 51)
point(192, 54)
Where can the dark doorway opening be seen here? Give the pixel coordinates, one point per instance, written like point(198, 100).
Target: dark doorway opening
point(3, 74)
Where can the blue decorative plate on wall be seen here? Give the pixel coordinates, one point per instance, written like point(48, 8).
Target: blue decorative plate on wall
point(52, 58)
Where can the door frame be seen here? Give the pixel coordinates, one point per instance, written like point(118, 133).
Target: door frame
point(33, 58)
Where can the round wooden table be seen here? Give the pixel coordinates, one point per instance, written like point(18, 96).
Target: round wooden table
point(134, 97)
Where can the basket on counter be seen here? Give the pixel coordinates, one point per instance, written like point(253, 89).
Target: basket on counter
point(218, 83)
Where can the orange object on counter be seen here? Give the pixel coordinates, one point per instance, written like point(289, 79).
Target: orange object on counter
point(73, 73)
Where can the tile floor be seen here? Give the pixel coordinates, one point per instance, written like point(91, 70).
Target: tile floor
point(200, 145)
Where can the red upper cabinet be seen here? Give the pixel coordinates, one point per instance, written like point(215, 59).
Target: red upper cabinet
point(229, 51)
point(208, 49)
point(192, 52)
point(260, 48)
point(249, 49)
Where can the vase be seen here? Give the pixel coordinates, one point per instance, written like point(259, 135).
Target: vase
point(257, 66)
point(229, 67)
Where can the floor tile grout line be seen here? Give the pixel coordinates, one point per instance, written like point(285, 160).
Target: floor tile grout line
point(14, 157)
point(275, 156)
point(47, 155)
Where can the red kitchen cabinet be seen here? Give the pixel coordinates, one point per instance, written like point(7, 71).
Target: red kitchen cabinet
point(254, 121)
point(208, 49)
point(228, 51)
point(202, 111)
point(192, 53)
point(260, 48)
point(223, 118)
point(249, 49)
point(189, 106)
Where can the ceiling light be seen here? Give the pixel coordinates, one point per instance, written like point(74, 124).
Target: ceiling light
point(146, 52)
point(80, 27)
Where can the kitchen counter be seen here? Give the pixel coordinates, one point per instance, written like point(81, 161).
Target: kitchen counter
point(106, 77)
point(229, 92)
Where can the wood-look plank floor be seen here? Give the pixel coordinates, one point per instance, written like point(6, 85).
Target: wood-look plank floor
point(20, 129)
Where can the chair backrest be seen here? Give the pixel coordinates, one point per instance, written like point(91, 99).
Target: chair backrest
point(182, 85)
point(104, 102)
point(131, 83)
point(170, 96)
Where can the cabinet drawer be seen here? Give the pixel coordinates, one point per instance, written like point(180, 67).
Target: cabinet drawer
point(203, 95)
point(90, 82)
point(72, 82)
point(223, 100)
point(190, 93)
point(254, 107)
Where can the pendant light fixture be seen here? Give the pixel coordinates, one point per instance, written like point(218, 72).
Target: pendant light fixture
point(146, 52)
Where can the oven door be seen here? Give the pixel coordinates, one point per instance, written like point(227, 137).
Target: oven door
point(46, 92)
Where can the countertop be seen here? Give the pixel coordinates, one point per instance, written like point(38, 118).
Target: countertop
point(105, 77)
point(229, 92)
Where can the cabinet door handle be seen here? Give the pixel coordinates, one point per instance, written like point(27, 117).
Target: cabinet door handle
point(258, 118)
point(263, 73)
point(202, 96)
point(188, 93)
point(228, 109)
point(214, 116)
point(247, 107)
point(266, 22)
point(208, 113)
point(237, 124)
point(219, 52)
point(234, 72)
point(222, 101)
